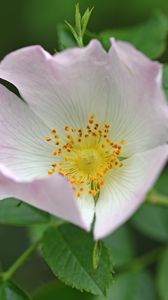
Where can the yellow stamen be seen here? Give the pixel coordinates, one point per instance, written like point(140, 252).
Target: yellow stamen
point(54, 131)
point(48, 139)
point(122, 142)
point(51, 172)
point(86, 156)
point(54, 152)
point(54, 165)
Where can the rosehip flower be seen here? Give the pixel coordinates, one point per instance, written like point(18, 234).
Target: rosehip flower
point(90, 136)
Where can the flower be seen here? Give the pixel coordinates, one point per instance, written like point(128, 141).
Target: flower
point(90, 137)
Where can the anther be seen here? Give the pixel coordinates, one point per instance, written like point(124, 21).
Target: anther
point(54, 152)
point(60, 170)
point(122, 142)
point(54, 131)
point(54, 165)
point(48, 139)
point(51, 172)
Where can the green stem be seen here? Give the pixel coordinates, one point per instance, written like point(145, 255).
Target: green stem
point(145, 260)
point(80, 42)
point(20, 261)
point(156, 198)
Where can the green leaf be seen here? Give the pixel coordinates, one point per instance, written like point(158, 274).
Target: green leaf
point(85, 19)
point(132, 286)
point(36, 231)
point(152, 220)
point(165, 79)
point(78, 20)
point(68, 250)
point(14, 212)
point(72, 30)
point(149, 37)
point(163, 276)
point(9, 291)
point(65, 38)
point(161, 184)
point(56, 290)
point(122, 247)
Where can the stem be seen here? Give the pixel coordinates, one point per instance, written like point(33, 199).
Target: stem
point(20, 261)
point(145, 260)
point(156, 198)
point(80, 42)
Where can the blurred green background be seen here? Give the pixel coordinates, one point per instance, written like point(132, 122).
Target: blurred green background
point(27, 22)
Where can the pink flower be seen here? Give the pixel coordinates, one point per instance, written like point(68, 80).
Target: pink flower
point(91, 136)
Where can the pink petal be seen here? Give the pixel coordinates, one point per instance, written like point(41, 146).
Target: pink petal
point(58, 87)
point(126, 189)
point(24, 153)
point(54, 195)
point(122, 88)
point(140, 115)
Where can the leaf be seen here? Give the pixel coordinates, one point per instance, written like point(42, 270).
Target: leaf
point(65, 38)
point(68, 250)
point(9, 291)
point(72, 30)
point(78, 20)
point(149, 37)
point(122, 247)
point(161, 184)
point(14, 212)
point(152, 220)
point(165, 80)
point(132, 286)
point(163, 276)
point(56, 290)
point(85, 19)
point(36, 231)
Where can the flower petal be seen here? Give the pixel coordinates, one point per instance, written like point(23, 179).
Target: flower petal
point(54, 195)
point(139, 113)
point(122, 88)
point(126, 189)
point(24, 153)
point(60, 89)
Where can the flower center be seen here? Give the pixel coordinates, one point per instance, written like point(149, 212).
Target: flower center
point(85, 156)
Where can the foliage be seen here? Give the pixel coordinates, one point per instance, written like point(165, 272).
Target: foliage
point(73, 256)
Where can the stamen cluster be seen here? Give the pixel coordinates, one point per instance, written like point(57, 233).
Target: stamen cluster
point(85, 156)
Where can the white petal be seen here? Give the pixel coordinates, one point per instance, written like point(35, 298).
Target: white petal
point(126, 189)
point(62, 90)
point(24, 153)
point(122, 88)
point(54, 195)
point(139, 112)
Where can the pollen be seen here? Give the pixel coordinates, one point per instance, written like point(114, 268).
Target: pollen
point(51, 172)
point(86, 156)
point(48, 139)
point(54, 131)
